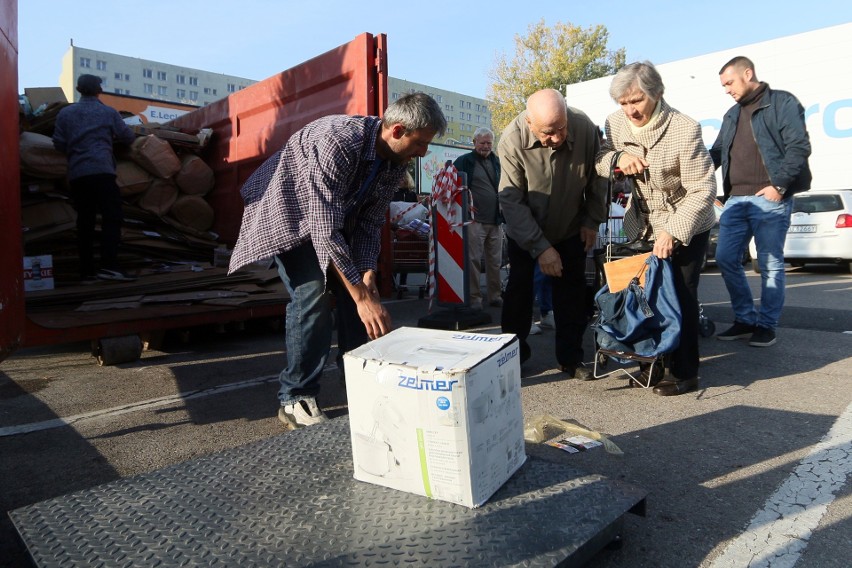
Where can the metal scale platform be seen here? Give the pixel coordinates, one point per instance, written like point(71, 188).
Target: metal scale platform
point(291, 500)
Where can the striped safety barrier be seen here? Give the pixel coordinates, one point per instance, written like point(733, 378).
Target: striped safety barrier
point(448, 281)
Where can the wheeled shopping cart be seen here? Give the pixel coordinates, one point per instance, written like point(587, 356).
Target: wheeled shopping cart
point(613, 244)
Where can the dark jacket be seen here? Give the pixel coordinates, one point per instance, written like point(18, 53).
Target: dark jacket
point(466, 163)
point(781, 136)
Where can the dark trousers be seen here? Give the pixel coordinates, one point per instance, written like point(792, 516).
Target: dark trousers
point(686, 262)
point(569, 296)
point(92, 195)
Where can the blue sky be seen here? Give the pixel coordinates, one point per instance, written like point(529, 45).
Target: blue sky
point(449, 45)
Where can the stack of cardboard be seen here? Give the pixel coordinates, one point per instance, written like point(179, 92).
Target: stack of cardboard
point(167, 218)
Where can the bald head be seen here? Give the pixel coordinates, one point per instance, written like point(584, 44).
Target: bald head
point(547, 117)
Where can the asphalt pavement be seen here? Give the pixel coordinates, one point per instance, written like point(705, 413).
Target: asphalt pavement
point(752, 467)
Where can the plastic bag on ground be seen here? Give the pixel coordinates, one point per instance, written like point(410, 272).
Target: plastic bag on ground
point(543, 427)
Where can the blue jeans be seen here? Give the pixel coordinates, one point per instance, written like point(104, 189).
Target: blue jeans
point(767, 221)
point(543, 290)
point(309, 322)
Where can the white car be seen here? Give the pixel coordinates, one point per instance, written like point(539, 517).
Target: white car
point(820, 229)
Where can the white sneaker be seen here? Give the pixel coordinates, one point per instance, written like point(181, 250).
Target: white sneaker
point(547, 321)
point(535, 329)
point(304, 412)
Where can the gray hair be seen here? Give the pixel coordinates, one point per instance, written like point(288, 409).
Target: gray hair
point(641, 74)
point(482, 131)
point(416, 111)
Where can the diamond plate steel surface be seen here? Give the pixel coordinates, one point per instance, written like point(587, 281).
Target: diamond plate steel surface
point(291, 501)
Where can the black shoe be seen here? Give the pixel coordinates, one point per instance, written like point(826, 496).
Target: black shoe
point(674, 387)
point(762, 337)
point(737, 331)
point(579, 372)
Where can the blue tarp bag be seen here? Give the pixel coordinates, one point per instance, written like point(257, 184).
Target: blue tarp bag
point(641, 320)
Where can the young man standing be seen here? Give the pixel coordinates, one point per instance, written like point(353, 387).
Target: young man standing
point(763, 149)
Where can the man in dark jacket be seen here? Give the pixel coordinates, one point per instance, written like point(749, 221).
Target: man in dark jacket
point(763, 149)
point(482, 169)
point(85, 132)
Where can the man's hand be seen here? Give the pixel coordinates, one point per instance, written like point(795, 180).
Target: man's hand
point(663, 245)
point(365, 294)
point(589, 238)
point(550, 262)
point(770, 193)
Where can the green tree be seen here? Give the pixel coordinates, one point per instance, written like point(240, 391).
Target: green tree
point(548, 57)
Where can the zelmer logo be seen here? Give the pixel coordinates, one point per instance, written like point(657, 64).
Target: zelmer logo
point(416, 383)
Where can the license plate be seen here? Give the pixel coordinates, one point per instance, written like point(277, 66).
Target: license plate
point(802, 229)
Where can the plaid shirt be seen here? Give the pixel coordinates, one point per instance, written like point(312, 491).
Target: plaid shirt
point(309, 191)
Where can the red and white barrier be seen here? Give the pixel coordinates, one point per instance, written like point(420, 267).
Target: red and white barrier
point(447, 240)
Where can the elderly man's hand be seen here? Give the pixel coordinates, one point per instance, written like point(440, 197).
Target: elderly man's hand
point(589, 238)
point(550, 262)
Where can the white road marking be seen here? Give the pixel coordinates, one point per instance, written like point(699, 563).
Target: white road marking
point(132, 407)
point(779, 533)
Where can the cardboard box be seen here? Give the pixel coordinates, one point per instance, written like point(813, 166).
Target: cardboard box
point(38, 273)
point(436, 413)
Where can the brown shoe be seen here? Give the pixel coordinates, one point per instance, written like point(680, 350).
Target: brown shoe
point(674, 387)
point(646, 379)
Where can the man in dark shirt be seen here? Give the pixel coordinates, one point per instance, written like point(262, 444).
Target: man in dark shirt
point(484, 233)
point(317, 207)
point(763, 149)
point(85, 132)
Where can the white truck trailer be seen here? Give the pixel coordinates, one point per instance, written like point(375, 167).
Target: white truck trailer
point(815, 66)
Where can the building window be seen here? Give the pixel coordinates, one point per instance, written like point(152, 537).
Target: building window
point(101, 65)
point(461, 103)
point(118, 76)
point(193, 81)
point(461, 116)
point(148, 88)
point(438, 98)
point(232, 88)
point(85, 62)
point(209, 91)
point(161, 75)
point(180, 93)
point(126, 76)
point(147, 73)
point(193, 95)
point(180, 79)
point(395, 96)
point(162, 90)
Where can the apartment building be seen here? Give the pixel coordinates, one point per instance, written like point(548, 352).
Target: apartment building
point(123, 75)
point(464, 113)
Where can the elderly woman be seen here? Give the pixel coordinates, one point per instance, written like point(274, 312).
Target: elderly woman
point(671, 205)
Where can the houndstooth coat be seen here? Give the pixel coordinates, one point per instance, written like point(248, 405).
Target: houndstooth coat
point(682, 185)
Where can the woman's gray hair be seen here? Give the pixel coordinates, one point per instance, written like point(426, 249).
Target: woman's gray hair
point(482, 131)
point(641, 74)
point(416, 111)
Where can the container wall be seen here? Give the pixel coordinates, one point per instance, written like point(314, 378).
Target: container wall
point(254, 123)
point(11, 263)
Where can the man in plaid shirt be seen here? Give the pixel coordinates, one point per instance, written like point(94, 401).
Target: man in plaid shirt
point(317, 207)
